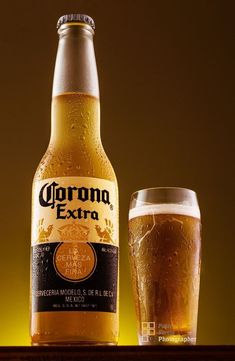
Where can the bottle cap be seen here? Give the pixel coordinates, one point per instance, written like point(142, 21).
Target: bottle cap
point(78, 18)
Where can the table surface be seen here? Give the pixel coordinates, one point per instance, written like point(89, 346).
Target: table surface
point(120, 353)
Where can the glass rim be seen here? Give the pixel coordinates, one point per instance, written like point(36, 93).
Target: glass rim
point(164, 188)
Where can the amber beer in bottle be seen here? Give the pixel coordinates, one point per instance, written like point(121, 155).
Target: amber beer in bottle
point(74, 272)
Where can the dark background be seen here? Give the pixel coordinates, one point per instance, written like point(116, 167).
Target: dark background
point(166, 71)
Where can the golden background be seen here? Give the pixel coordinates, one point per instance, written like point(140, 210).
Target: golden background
point(166, 71)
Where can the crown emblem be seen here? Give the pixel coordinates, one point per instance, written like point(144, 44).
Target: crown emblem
point(73, 232)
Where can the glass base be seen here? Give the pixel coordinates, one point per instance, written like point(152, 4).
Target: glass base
point(73, 343)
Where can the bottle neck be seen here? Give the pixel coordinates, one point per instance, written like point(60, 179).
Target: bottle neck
point(75, 96)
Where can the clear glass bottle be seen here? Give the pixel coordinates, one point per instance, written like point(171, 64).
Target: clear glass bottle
point(74, 278)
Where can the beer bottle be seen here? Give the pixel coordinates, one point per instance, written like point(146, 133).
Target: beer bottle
point(74, 259)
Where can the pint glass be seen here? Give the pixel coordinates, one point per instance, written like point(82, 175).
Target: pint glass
point(164, 253)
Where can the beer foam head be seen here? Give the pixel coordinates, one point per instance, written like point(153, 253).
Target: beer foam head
point(166, 208)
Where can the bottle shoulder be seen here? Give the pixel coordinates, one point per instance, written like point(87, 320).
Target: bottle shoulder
point(80, 162)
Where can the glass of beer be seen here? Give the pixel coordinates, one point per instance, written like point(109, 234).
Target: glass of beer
point(165, 257)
